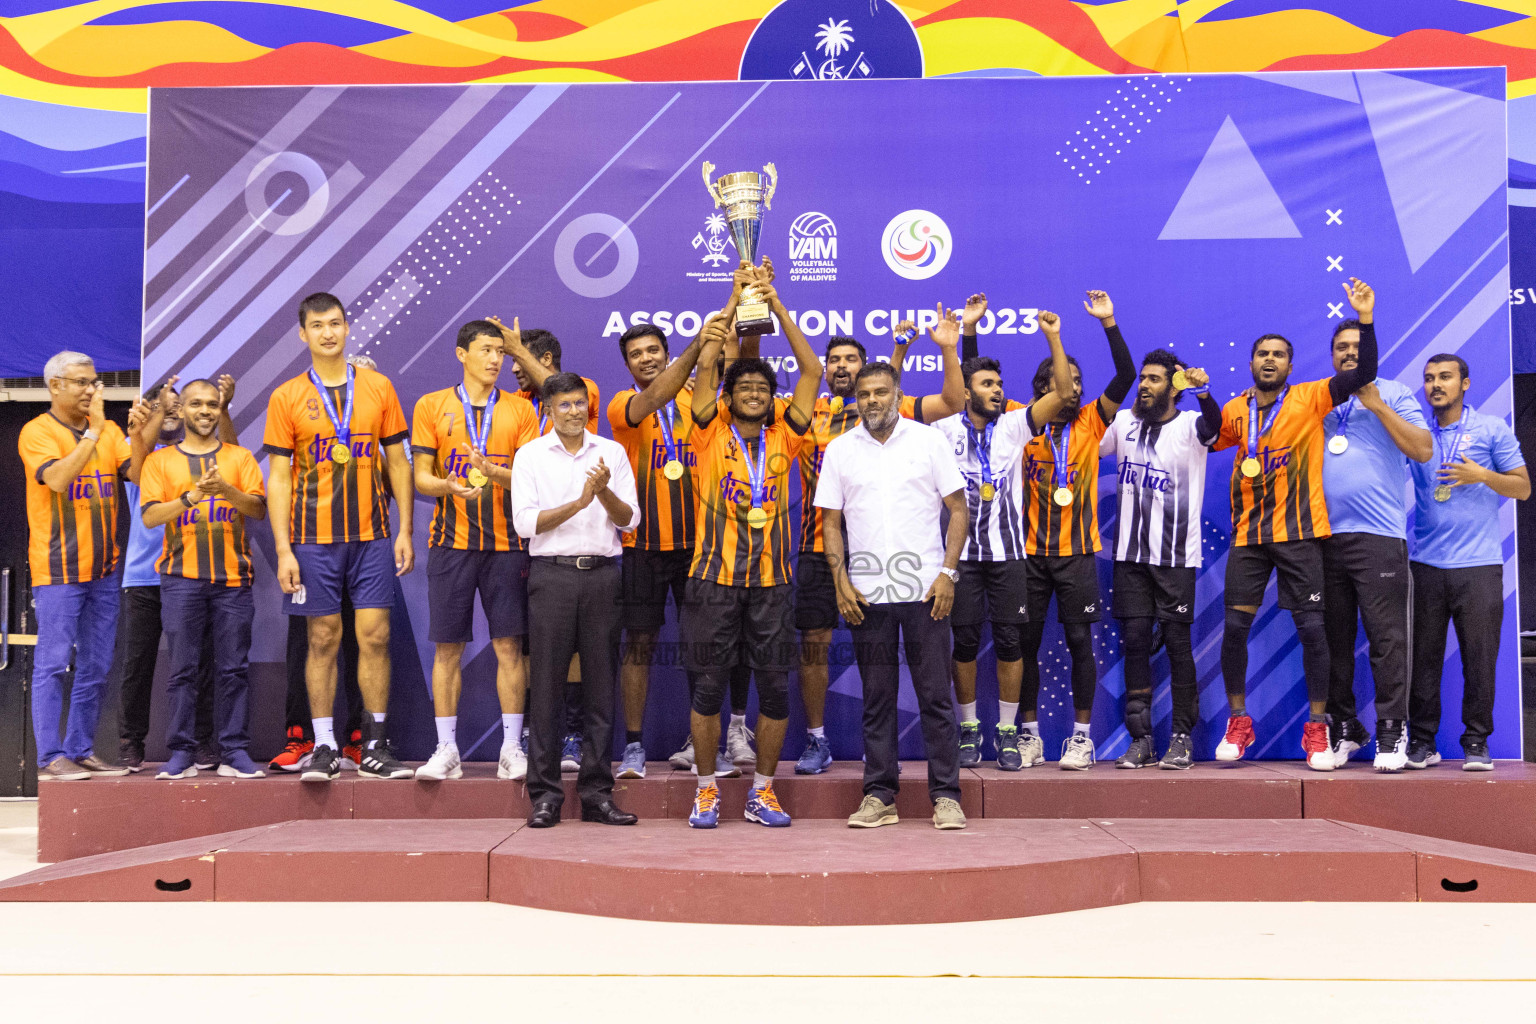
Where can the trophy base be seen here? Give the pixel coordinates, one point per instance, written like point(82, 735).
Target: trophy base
point(753, 318)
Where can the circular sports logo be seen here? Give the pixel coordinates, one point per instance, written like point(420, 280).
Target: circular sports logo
point(916, 244)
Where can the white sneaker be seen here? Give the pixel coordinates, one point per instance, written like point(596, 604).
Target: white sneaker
point(683, 759)
point(738, 744)
point(1031, 750)
point(443, 765)
point(513, 764)
point(1077, 753)
point(1395, 757)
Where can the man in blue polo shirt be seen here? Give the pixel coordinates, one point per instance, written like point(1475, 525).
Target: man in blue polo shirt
point(1371, 437)
point(1458, 560)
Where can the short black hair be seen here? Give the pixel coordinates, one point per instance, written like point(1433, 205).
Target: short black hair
point(561, 384)
point(538, 341)
point(320, 302)
point(1446, 357)
point(474, 329)
point(1169, 363)
point(1347, 325)
point(875, 369)
point(745, 365)
point(1042, 379)
point(976, 364)
point(838, 341)
point(1290, 350)
point(189, 385)
point(640, 331)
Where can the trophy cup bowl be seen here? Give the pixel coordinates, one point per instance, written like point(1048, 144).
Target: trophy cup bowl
point(744, 196)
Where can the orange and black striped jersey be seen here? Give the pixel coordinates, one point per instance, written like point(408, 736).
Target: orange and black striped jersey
point(729, 550)
point(1052, 529)
point(666, 506)
point(336, 502)
point(439, 433)
point(594, 400)
point(207, 541)
point(72, 535)
point(1285, 500)
point(825, 426)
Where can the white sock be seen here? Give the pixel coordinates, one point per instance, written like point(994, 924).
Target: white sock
point(1033, 728)
point(1080, 728)
point(968, 712)
point(820, 732)
point(1006, 712)
point(761, 781)
point(705, 781)
point(738, 721)
point(378, 716)
point(447, 729)
point(324, 735)
point(512, 729)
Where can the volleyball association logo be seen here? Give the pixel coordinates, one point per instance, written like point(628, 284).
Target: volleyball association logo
point(916, 244)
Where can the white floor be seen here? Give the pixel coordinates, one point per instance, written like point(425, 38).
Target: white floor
point(429, 962)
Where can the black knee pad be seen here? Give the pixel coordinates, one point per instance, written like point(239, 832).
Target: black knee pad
point(1005, 641)
point(1309, 627)
point(708, 694)
point(967, 643)
point(1136, 636)
point(1138, 714)
point(1079, 640)
point(1238, 624)
point(1176, 638)
point(773, 695)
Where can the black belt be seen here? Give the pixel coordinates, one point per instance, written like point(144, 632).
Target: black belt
point(579, 561)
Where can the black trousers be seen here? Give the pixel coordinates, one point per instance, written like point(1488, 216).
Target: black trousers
point(888, 630)
point(1366, 578)
point(138, 647)
point(572, 611)
point(296, 708)
point(1473, 599)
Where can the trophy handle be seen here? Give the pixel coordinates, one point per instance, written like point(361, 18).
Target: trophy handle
point(709, 169)
point(773, 183)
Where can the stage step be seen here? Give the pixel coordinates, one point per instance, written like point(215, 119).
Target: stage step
point(818, 871)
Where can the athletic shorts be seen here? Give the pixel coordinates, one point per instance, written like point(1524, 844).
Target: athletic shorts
point(991, 591)
point(361, 570)
point(1299, 564)
point(815, 592)
point(1074, 579)
point(453, 577)
point(1163, 592)
point(725, 626)
point(645, 580)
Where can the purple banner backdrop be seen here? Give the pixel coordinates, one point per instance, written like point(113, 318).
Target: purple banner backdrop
point(1213, 208)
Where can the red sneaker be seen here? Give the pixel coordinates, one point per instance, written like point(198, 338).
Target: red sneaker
point(352, 753)
point(1239, 738)
point(295, 754)
point(1314, 743)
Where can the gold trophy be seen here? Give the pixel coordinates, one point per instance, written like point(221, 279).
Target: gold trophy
point(744, 196)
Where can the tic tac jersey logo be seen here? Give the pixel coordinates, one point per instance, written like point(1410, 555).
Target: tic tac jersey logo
point(916, 244)
point(813, 248)
point(833, 40)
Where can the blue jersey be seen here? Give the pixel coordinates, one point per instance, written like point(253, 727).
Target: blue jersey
point(143, 546)
point(1464, 529)
point(1367, 486)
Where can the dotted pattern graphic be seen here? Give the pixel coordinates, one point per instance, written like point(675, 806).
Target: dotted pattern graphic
point(1116, 124)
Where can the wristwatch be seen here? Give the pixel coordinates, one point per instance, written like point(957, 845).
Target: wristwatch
point(953, 574)
point(186, 498)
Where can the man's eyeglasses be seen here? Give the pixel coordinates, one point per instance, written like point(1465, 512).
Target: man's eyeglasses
point(81, 382)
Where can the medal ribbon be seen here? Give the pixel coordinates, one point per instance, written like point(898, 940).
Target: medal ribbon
point(1449, 456)
point(755, 473)
point(1349, 407)
point(342, 425)
point(538, 410)
point(981, 444)
point(1061, 471)
point(668, 425)
point(1254, 433)
point(478, 438)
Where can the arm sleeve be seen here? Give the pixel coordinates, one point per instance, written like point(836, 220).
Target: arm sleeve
point(392, 426)
point(1208, 427)
point(279, 436)
point(1108, 444)
point(38, 450)
point(1346, 382)
point(1228, 436)
point(526, 428)
point(594, 404)
point(968, 348)
point(618, 413)
point(122, 452)
point(1125, 367)
point(1504, 451)
point(525, 498)
point(621, 481)
point(829, 483)
point(1407, 407)
point(249, 475)
point(152, 483)
point(945, 470)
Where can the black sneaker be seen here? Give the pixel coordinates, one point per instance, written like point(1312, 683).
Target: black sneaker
point(1180, 754)
point(1476, 754)
point(379, 762)
point(1345, 738)
point(1006, 740)
point(970, 744)
point(130, 754)
point(1140, 754)
point(324, 764)
point(1421, 755)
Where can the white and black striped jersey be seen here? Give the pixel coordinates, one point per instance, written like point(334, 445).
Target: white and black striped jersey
point(996, 531)
point(1161, 474)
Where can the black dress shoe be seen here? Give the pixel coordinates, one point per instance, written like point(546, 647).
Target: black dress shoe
point(606, 813)
point(545, 815)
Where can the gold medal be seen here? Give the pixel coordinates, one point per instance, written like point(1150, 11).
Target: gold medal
point(1250, 467)
point(988, 492)
point(1180, 382)
point(837, 404)
point(1062, 496)
point(477, 478)
point(1443, 492)
point(673, 470)
point(757, 518)
point(1338, 444)
point(340, 453)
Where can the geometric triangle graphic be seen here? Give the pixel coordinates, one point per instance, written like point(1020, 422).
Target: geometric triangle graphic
point(1338, 84)
point(1229, 196)
point(1441, 152)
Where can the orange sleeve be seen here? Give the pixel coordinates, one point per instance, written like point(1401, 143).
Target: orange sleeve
point(594, 403)
point(37, 449)
point(618, 408)
point(527, 426)
point(122, 452)
point(392, 417)
point(153, 485)
point(248, 477)
point(1319, 398)
point(424, 424)
point(1228, 437)
point(279, 433)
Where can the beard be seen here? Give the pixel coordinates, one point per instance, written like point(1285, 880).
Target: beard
point(1154, 408)
point(984, 409)
point(881, 421)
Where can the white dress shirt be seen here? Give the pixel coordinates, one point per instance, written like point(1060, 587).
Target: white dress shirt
point(546, 476)
point(891, 496)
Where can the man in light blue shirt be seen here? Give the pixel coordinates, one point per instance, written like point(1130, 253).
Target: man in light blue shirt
point(1458, 560)
point(1371, 439)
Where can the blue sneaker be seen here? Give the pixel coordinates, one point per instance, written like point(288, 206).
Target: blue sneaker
point(1007, 741)
point(970, 744)
point(182, 765)
point(706, 807)
point(238, 765)
point(570, 753)
point(817, 757)
point(633, 764)
point(763, 808)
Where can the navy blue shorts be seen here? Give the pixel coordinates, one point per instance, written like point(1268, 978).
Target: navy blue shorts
point(364, 570)
point(453, 577)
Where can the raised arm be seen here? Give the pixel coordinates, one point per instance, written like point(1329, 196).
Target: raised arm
point(902, 336)
point(706, 386)
point(1346, 382)
point(61, 472)
point(1044, 409)
point(804, 401)
point(946, 335)
point(975, 309)
point(512, 345)
point(227, 432)
point(1100, 306)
